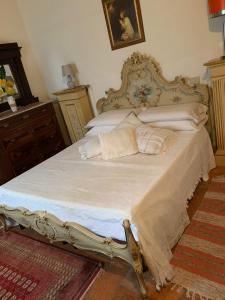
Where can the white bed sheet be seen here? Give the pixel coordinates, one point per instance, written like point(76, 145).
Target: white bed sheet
point(101, 194)
point(151, 191)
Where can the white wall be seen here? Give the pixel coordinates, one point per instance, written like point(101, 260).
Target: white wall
point(13, 30)
point(61, 32)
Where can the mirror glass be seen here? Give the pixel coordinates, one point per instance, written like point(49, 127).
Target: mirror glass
point(13, 80)
point(7, 84)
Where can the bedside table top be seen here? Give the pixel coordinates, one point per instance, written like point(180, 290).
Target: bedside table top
point(68, 91)
point(215, 62)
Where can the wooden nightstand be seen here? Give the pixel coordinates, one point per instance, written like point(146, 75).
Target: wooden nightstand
point(76, 109)
point(217, 70)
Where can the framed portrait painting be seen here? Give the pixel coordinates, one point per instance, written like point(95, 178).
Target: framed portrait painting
point(124, 22)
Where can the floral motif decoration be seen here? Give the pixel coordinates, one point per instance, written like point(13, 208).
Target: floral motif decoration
point(146, 95)
point(142, 93)
point(6, 84)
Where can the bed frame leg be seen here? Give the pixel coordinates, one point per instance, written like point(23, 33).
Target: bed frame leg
point(137, 258)
point(3, 227)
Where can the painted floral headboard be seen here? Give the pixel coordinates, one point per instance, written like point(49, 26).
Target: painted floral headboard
point(143, 84)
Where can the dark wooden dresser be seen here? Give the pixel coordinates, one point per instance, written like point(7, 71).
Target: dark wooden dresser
point(27, 138)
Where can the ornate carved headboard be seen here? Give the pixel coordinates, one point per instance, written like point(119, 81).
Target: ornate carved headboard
point(143, 84)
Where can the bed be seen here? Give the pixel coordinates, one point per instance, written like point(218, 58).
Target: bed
point(86, 202)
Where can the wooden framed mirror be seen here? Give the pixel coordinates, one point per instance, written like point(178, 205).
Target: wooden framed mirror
point(11, 65)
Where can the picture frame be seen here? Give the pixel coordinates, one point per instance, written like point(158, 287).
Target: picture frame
point(124, 22)
point(10, 59)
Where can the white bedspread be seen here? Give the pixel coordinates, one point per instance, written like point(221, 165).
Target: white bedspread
point(149, 190)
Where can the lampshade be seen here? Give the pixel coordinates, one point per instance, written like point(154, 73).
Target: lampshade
point(216, 8)
point(69, 73)
point(67, 70)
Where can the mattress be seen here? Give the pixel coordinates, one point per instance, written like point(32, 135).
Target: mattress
point(101, 194)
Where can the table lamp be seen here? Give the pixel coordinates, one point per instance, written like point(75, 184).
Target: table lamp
point(69, 74)
point(217, 9)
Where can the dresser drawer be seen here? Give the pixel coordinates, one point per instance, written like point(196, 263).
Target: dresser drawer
point(6, 126)
point(25, 118)
point(50, 145)
point(15, 139)
point(44, 127)
point(22, 154)
point(27, 164)
point(29, 137)
point(32, 115)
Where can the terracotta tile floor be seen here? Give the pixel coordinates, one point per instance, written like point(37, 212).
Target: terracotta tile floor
point(118, 281)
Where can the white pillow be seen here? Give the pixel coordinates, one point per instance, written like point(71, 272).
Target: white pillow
point(111, 117)
point(152, 140)
point(90, 149)
point(131, 121)
point(99, 129)
point(180, 125)
point(117, 143)
point(187, 111)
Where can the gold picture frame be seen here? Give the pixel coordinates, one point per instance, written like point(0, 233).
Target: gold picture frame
point(124, 22)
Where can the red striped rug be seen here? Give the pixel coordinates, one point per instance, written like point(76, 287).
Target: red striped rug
point(199, 257)
point(31, 270)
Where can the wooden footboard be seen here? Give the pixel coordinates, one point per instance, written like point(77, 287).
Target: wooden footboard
point(81, 238)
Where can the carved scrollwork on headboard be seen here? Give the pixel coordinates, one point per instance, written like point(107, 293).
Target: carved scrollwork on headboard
point(143, 84)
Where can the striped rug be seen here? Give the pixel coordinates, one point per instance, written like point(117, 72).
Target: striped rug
point(199, 257)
